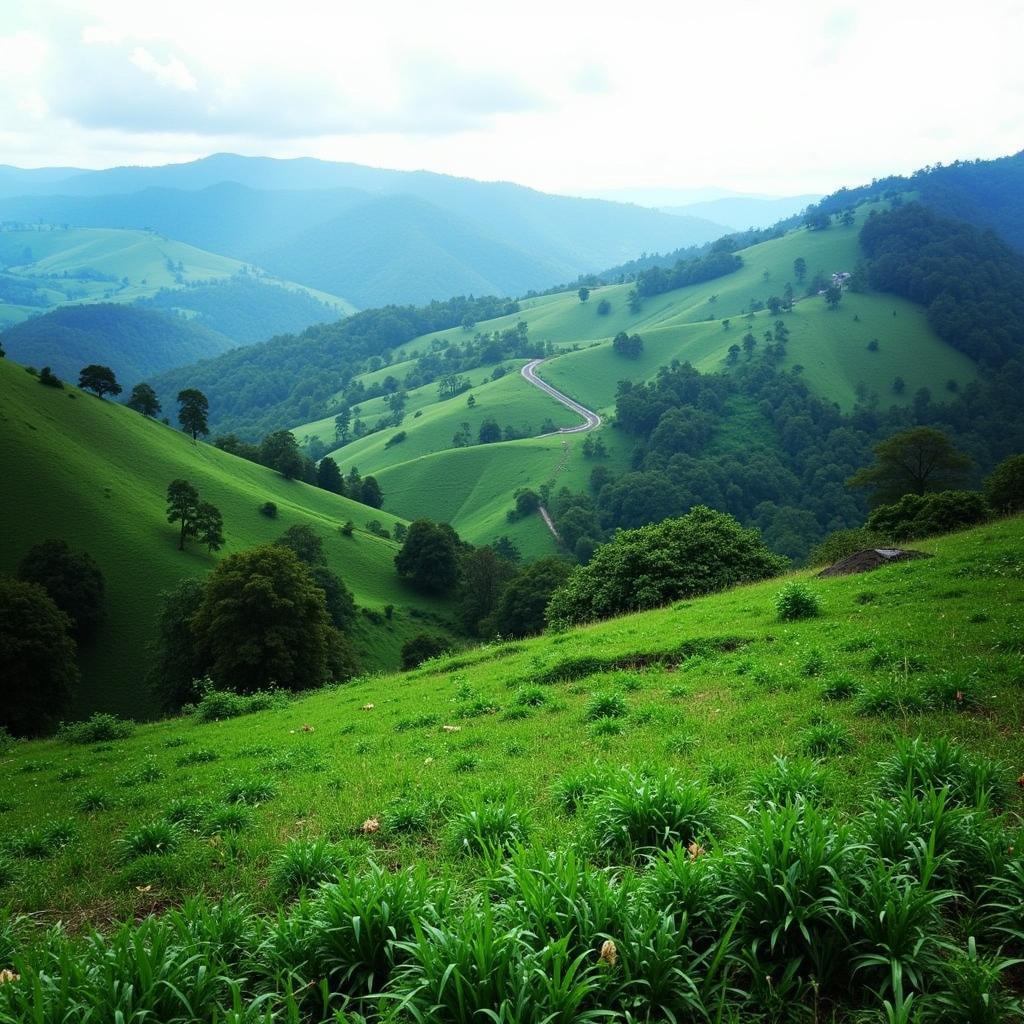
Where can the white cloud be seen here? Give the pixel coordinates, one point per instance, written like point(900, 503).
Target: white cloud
point(574, 96)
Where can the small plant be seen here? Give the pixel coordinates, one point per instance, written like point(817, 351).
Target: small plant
point(39, 842)
point(71, 773)
point(94, 800)
point(100, 728)
point(348, 529)
point(606, 727)
point(918, 767)
point(305, 863)
point(788, 780)
point(155, 838)
point(974, 990)
point(839, 687)
point(251, 791)
point(897, 695)
point(227, 818)
point(824, 738)
point(411, 814)
point(480, 827)
point(576, 787)
point(216, 705)
point(797, 601)
point(634, 814)
point(531, 696)
point(188, 811)
point(197, 756)
point(605, 704)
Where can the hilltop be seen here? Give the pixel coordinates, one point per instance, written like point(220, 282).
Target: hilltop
point(95, 474)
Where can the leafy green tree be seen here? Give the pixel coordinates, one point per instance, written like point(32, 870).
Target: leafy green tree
point(72, 579)
point(263, 623)
point(699, 553)
point(193, 409)
point(50, 379)
point(98, 379)
point(429, 557)
point(183, 507)
point(370, 493)
point(628, 345)
point(341, 605)
point(328, 476)
point(209, 526)
point(489, 432)
point(584, 294)
point(305, 543)
point(833, 296)
point(179, 663)
point(899, 385)
point(483, 575)
point(143, 399)
point(749, 344)
point(419, 648)
point(604, 307)
point(800, 269)
point(343, 426)
point(505, 548)
point(520, 610)
point(914, 461)
point(37, 656)
point(280, 451)
point(1005, 485)
point(734, 355)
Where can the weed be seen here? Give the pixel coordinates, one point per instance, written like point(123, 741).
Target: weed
point(481, 827)
point(605, 704)
point(197, 756)
point(154, 838)
point(304, 864)
point(252, 791)
point(788, 780)
point(92, 801)
point(824, 738)
point(796, 601)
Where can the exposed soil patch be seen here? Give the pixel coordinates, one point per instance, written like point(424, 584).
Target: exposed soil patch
point(871, 558)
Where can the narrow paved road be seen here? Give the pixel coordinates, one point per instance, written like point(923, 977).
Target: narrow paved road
point(592, 420)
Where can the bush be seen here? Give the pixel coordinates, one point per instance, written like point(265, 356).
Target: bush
point(49, 378)
point(480, 827)
point(1004, 488)
point(305, 863)
point(634, 814)
point(698, 553)
point(841, 543)
point(72, 579)
point(422, 647)
point(100, 728)
point(797, 601)
point(605, 705)
point(269, 509)
point(216, 705)
point(915, 516)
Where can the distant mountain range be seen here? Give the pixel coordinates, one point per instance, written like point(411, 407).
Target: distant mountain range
point(375, 236)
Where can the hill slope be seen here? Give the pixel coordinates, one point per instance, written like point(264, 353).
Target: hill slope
point(133, 342)
point(95, 474)
point(714, 687)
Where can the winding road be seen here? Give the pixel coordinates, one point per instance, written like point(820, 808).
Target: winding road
point(591, 418)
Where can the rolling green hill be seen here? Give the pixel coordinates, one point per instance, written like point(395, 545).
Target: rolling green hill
point(714, 688)
point(48, 265)
point(95, 474)
point(831, 347)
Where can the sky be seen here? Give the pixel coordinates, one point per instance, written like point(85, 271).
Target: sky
point(779, 98)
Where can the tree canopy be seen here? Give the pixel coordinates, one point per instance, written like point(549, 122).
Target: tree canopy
point(193, 411)
point(73, 581)
point(429, 557)
point(98, 379)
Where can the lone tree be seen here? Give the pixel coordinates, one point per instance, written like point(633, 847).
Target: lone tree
point(143, 399)
point(280, 451)
point(263, 623)
point(209, 526)
point(914, 461)
point(304, 543)
point(833, 296)
point(38, 658)
point(73, 581)
point(584, 294)
point(489, 431)
point(628, 345)
point(98, 379)
point(328, 476)
point(183, 507)
point(800, 268)
point(370, 493)
point(192, 412)
point(429, 557)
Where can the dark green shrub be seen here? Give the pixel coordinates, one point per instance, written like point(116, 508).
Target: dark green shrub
point(1004, 488)
point(269, 509)
point(796, 601)
point(100, 728)
point(915, 515)
point(421, 648)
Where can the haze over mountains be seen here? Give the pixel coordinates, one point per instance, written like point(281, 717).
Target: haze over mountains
point(371, 235)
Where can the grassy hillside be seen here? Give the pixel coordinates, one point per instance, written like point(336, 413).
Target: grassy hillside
point(95, 474)
point(715, 687)
point(49, 265)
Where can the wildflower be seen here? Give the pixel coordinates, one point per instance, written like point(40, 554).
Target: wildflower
point(609, 953)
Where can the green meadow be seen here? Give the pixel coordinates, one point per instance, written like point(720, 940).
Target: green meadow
point(95, 474)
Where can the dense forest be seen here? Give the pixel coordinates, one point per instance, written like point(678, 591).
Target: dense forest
point(293, 378)
point(244, 308)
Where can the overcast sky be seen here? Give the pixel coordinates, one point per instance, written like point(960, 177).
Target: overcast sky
point(783, 97)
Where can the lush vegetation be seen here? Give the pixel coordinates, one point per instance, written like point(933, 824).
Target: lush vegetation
point(695, 810)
